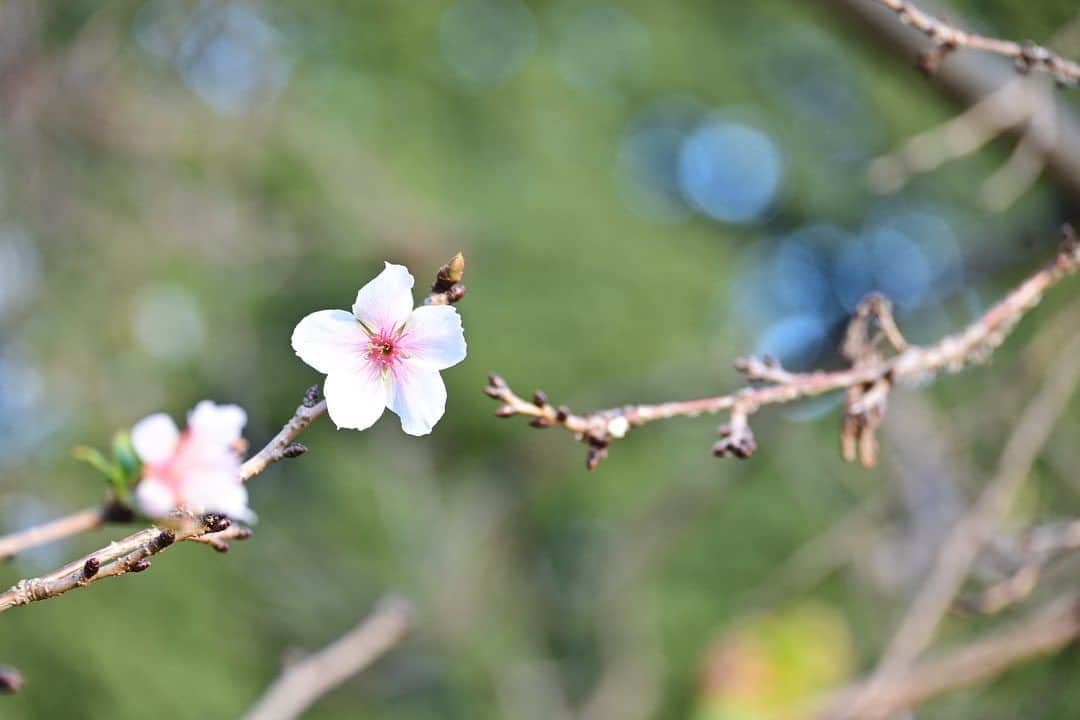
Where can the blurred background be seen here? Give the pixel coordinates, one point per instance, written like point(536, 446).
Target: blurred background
point(644, 191)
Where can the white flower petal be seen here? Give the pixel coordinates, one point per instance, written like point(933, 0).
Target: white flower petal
point(330, 340)
point(218, 493)
point(355, 399)
point(385, 302)
point(155, 438)
point(418, 396)
point(222, 423)
point(434, 336)
point(154, 499)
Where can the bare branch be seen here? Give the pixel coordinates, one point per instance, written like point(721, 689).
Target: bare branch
point(78, 522)
point(947, 38)
point(124, 556)
point(304, 682)
point(282, 445)
point(1049, 630)
point(869, 379)
point(1009, 106)
point(220, 540)
point(1040, 547)
point(962, 545)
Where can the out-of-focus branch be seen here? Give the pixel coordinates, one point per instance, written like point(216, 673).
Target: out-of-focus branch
point(1045, 632)
point(305, 681)
point(868, 381)
point(78, 522)
point(962, 545)
point(947, 38)
point(1010, 106)
point(1040, 547)
point(968, 78)
point(131, 553)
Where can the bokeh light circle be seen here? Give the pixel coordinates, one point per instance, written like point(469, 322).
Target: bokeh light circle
point(730, 171)
point(486, 42)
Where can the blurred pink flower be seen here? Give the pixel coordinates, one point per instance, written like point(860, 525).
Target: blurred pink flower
point(383, 355)
point(197, 470)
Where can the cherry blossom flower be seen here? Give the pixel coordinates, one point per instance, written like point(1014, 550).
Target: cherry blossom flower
point(384, 354)
point(197, 470)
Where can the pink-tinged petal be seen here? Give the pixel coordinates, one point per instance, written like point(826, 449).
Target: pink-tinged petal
point(386, 302)
point(155, 438)
point(330, 340)
point(220, 423)
point(418, 396)
point(154, 499)
point(356, 399)
point(433, 335)
point(215, 492)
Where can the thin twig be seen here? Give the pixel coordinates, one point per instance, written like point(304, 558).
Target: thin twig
point(947, 38)
point(1040, 548)
point(1054, 627)
point(960, 548)
point(282, 445)
point(1009, 106)
point(124, 556)
point(76, 523)
point(870, 378)
point(305, 681)
point(220, 540)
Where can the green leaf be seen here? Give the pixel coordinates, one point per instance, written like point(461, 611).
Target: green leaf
point(95, 459)
point(126, 459)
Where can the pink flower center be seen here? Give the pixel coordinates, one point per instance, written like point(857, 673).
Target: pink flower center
point(384, 350)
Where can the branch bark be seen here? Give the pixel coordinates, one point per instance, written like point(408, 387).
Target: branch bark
point(871, 376)
point(947, 38)
point(119, 558)
point(77, 523)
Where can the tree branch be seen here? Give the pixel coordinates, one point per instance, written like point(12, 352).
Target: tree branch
point(868, 381)
point(304, 682)
point(946, 37)
point(1049, 630)
point(1038, 550)
point(76, 523)
point(960, 548)
point(121, 557)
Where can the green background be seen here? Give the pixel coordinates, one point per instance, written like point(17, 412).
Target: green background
point(174, 246)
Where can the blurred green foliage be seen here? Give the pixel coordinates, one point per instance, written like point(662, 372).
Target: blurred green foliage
point(179, 245)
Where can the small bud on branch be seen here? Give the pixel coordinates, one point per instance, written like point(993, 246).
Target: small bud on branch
point(877, 351)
